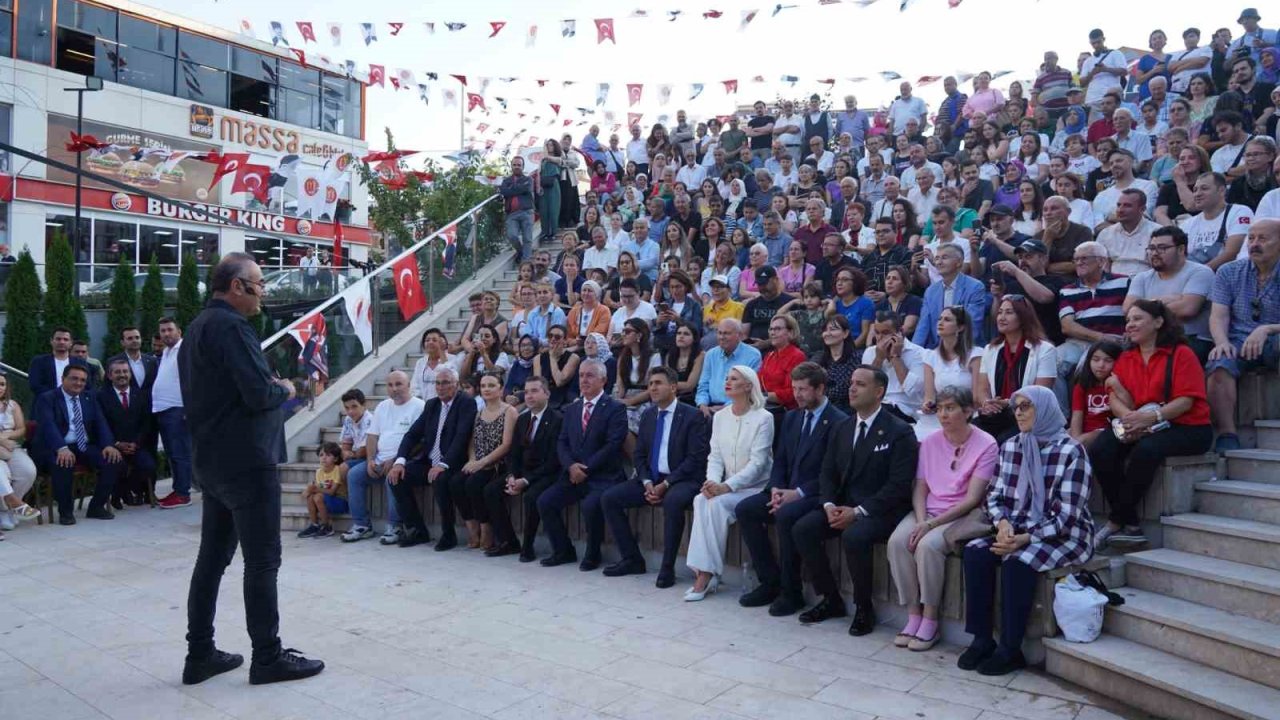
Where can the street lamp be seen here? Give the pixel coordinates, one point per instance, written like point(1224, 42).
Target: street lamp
point(91, 84)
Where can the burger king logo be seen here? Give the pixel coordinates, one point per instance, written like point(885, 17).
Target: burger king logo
point(304, 226)
point(121, 201)
point(311, 186)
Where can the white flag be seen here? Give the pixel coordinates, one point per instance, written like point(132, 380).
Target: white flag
point(311, 185)
point(359, 305)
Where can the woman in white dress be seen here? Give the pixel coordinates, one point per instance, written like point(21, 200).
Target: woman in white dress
point(738, 466)
point(17, 471)
point(951, 364)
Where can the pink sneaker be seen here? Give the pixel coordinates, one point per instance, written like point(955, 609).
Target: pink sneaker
point(174, 500)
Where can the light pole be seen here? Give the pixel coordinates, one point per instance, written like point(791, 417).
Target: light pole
point(91, 84)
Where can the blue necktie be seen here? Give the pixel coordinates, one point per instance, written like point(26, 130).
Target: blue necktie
point(655, 455)
point(808, 425)
point(82, 439)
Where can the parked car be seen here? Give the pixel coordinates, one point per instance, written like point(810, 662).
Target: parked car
point(101, 291)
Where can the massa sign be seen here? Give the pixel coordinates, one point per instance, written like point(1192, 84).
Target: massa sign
point(260, 135)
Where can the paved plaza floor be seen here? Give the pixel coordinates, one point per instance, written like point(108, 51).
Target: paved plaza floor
point(92, 619)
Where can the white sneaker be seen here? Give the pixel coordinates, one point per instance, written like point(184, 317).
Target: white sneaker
point(391, 536)
point(6, 520)
point(357, 534)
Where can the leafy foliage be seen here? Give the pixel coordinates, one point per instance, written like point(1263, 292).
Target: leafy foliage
point(22, 299)
point(208, 278)
point(151, 306)
point(122, 311)
point(188, 292)
point(61, 305)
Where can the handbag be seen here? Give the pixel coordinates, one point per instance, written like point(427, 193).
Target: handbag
point(548, 181)
point(975, 524)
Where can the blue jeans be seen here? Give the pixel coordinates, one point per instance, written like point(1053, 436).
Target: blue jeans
point(520, 232)
point(358, 482)
point(177, 446)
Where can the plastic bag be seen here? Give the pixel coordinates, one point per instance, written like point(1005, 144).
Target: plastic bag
point(1078, 610)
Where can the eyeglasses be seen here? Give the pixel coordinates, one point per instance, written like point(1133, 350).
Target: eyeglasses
point(1016, 297)
point(1160, 248)
point(955, 459)
point(1023, 406)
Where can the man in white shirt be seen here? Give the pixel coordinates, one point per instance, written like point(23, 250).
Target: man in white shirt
point(1135, 141)
point(1121, 163)
point(310, 265)
point(1215, 235)
point(1185, 64)
point(787, 129)
point(1103, 70)
point(600, 254)
point(631, 307)
point(1229, 159)
point(919, 161)
point(1126, 241)
point(923, 196)
point(615, 158)
point(171, 418)
point(638, 151)
point(884, 206)
point(900, 359)
point(691, 173)
point(391, 420)
point(906, 107)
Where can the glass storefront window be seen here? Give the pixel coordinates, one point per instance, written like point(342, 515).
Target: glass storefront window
point(95, 20)
point(205, 51)
point(265, 250)
point(297, 108)
point(252, 96)
point(146, 70)
point(113, 240)
point(254, 65)
point(146, 35)
point(203, 243)
point(6, 129)
point(61, 225)
point(162, 242)
point(202, 84)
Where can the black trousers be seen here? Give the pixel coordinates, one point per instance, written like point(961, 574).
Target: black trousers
point(1017, 590)
point(415, 475)
point(474, 489)
point(754, 519)
point(253, 523)
point(630, 494)
point(561, 495)
point(64, 477)
point(1126, 470)
point(135, 474)
point(858, 540)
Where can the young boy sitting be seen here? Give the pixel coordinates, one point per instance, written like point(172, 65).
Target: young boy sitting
point(354, 426)
point(327, 493)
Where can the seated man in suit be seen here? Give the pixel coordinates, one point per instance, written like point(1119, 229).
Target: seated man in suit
point(868, 471)
point(142, 365)
point(532, 467)
point(128, 413)
point(793, 492)
point(433, 453)
point(671, 465)
point(71, 430)
point(590, 449)
point(45, 372)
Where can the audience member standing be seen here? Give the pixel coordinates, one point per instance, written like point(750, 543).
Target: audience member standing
point(167, 403)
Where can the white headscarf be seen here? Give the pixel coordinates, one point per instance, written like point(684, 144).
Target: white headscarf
point(757, 393)
point(1049, 427)
point(603, 353)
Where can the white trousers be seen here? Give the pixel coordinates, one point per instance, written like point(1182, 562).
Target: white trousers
point(710, 533)
point(17, 475)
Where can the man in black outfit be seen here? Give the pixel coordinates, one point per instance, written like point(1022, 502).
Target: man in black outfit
point(433, 452)
point(237, 436)
point(533, 466)
point(867, 475)
point(128, 413)
point(671, 465)
point(792, 493)
point(142, 366)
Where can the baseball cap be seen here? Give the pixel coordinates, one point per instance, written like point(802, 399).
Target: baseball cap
point(765, 274)
point(1248, 13)
point(719, 280)
point(1001, 209)
point(1032, 246)
point(1074, 89)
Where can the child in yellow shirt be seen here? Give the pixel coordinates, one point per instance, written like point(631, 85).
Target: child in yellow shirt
point(326, 495)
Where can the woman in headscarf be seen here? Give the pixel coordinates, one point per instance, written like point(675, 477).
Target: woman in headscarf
point(521, 370)
point(1007, 194)
point(733, 203)
point(1074, 122)
point(596, 347)
point(1039, 506)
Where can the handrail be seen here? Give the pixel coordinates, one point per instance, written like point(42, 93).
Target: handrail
point(11, 369)
point(412, 249)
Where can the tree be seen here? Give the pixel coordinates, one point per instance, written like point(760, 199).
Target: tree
point(188, 292)
point(123, 309)
point(22, 298)
point(151, 306)
point(208, 278)
point(62, 305)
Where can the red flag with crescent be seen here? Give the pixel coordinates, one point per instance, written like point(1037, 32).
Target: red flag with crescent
point(633, 118)
point(475, 101)
point(604, 31)
point(227, 164)
point(307, 31)
point(497, 26)
point(730, 87)
point(409, 293)
point(377, 75)
point(80, 143)
point(252, 179)
point(634, 91)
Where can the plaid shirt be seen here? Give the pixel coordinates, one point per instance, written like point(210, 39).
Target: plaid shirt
point(1064, 534)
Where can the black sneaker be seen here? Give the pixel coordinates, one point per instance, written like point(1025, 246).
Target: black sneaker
point(325, 531)
point(976, 654)
point(196, 671)
point(289, 665)
point(309, 531)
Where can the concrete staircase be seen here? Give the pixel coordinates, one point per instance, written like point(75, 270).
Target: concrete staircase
point(295, 475)
point(1199, 634)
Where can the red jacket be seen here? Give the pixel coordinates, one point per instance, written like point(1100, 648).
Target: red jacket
point(775, 373)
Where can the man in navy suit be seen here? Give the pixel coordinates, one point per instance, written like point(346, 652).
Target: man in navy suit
point(128, 413)
point(671, 465)
point(71, 430)
point(433, 452)
point(792, 493)
point(590, 450)
point(142, 366)
point(46, 370)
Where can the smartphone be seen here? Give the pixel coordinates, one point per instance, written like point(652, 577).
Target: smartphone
point(663, 307)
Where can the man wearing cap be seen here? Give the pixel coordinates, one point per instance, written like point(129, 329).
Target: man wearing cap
point(721, 306)
point(1102, 70)
point(761, 308)
point(1184, 64)
point(997, 243)
point(1254, 39)
point(719, 361)
point(1029, 277)
point(1050, 89)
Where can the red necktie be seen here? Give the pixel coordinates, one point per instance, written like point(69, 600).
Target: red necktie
point(586, 415)
point(124, 399)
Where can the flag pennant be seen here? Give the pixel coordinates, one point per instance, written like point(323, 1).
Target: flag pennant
point(307, 31)
point(460, 78)
point(298, 53)
point(828, 81)
point(377, 75)
point(602, 94)
point(712, 14)
point(335, 34)
point(450, 98)
point(730, 87)
point(310, 333)
point(556, 109)
point(369, 32)
point(780, 7)
point(664, 94)
point(747, 17)
point(253, 179)
point(430, 27)
point(542, 83)
point(568, 28)
point(358, 302)
point(639, 13)
point(406, 77)
point(246, 28)
point(475, 101)
point(482, 127)
point(953, 4)
point(277, 34)
point(673, 14)
point(396, 27)
point(497, 27)
point(449, 254)
point(792, 79)
point(889, 75)
point(604, 31)
point(634, 92)
point(533, 140)
point(424, 93)
point(531, 38)
point(568, 122)
point(633, 118)
point(227, 164)
point(695, 90)
point(409, 293)
point(455, 26)
point(928, 79)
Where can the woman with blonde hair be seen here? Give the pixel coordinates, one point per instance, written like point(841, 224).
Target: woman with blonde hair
point(17, 471)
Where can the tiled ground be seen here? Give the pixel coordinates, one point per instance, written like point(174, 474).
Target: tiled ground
point(92, 620)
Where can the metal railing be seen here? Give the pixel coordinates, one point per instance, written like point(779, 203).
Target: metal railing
point(479, 237)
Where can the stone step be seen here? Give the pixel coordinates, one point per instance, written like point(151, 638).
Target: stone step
point(293, 519)
point(1158, 682)
point(1235, 587)
point(331, 434)
point(1268, 433)
point(1256, 465)
point(1238, 645)
point(1243, 541)
point(1240, 499)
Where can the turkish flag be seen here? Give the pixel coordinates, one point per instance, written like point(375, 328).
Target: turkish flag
point(227, 164)
point(377, 75)
point(409, 287)
point(634, 91)
point(475, 101)
point(730, 87)
point(252, 179)
point(396, 28)
point(497, 27)
point(633, 118)
point(604, 31)
point(307, 31)
point(337, 243)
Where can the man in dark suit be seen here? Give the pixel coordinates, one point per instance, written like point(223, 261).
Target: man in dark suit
point(793, 492)
point(590, 449)
point(671, 465)
point(128, 413)
point(433, 452)
point(533, 466)
point(70, 431)
point(45, 372)
point(232, 406)
point(867, 473)
point(142, 366)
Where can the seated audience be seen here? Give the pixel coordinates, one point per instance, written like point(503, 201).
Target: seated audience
point(953, 288)
point(1019, 356)
point(558, 365)
point(18, 472)
point(1215, 235)
point(635, 357)
point(588, 316)
point(782, 356)
point(71, 431)
point(1126, 241)
point(326, 494)
point(902, 362)
point(1030, 278)
point(730, 351)
point(1182, 285)
point(953, 363)
point(1090, 309)
point(681, 305)
point(127, 411)
point(1090, 394)
point(760, 310)
point(435, 355)
point(533, 466)
point(491, 440)
point(850, 300)
point(839, 358)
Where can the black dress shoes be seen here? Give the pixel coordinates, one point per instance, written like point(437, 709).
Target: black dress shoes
point(67, 519)
point(589, 563)
point(100, 513)
point(826, 609)
point(502, 550)
point(117, 503)
point(560, 559)
point(760, 596)
point(979, 650)
point(447, 541)
point(288, 665)
point(197, 670)
point(414, 536)
point(1002, 663)
point(527, 555)
point(666, 578)
point(864, 621)
point(626, 567)
point(785, 606)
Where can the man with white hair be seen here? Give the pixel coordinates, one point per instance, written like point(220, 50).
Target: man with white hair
point(1135, 141)
point(391, 420)
point(1090, 309)
point(730, 351)
point(919, 161)
point(924, 196)
point(905, 107)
